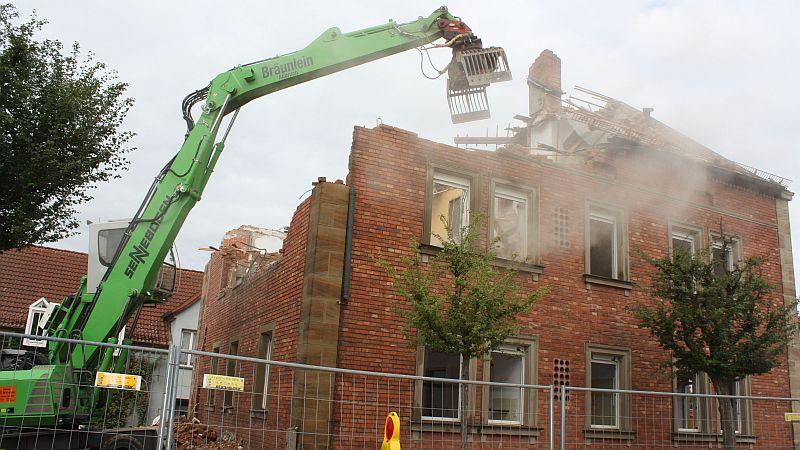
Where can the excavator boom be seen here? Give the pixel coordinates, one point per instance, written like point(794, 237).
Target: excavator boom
point(129, 282)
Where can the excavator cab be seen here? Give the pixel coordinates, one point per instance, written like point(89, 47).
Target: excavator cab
point(104, 240)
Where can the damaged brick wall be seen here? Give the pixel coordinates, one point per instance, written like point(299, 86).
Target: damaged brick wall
point(388, 169)
point(297, 299)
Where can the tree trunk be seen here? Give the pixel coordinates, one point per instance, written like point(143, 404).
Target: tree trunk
point(726, 413)
point(463, 404)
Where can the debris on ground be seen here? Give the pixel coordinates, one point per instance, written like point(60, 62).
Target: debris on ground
point(194, 435)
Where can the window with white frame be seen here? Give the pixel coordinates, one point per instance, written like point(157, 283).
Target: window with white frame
point(738, 411)
point(739, 406)
point(187, 343)
point(687, 408)
point(260, 397)
point(506, 404)
point(608, 368)
point(441, 400)
point(450, 199)
point(684, 240)
point(605, 244)
point(510, 220)
point(605, 405)
point(33, 325)
point(699, 414)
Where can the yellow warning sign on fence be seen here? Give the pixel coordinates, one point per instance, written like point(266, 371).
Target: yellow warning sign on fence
point(223, 382)
point(792, 417)
point(118, 381)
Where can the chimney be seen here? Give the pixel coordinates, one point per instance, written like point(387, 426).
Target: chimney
point(544, 84)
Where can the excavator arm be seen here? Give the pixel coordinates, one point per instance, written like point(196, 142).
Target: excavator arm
point(129, 281)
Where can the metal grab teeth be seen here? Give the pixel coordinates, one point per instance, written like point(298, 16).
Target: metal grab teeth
point(483, 66)
point(467, 104)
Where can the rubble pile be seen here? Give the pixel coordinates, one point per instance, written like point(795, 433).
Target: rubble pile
point(194, 435)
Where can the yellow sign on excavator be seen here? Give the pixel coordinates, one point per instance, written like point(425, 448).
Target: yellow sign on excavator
point(391, 432)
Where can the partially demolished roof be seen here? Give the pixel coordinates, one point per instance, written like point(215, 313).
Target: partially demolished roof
point(617, 118)
point(589, 120)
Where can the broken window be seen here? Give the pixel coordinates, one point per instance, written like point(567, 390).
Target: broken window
point(510, 223)
point(506, 404)
point(450, 199)
point(725, 257)
point(605, 246)
point(440, 401)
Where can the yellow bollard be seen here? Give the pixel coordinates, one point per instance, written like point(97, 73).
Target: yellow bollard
point(391, 432)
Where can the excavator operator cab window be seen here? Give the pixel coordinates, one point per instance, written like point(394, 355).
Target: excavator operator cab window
point(107, 243)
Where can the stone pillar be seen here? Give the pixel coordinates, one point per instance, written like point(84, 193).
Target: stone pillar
point(789, 294)
point(318, 337)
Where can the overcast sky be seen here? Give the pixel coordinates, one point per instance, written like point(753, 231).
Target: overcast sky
point(724, 73)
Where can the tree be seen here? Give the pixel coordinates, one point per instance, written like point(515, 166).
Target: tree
point(458, 302)
point(718, 320)
point(60, 120)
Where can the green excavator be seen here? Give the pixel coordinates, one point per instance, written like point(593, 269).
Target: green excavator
point(55, 388)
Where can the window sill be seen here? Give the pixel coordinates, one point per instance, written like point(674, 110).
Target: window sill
point(609, 433)
point(227, 409)
point(509, 430)
point(536, 269)
point(258, 413)
point(446, 426)
point(429, 250)
point(689, 436)
point(611, 282)
point(208, 408)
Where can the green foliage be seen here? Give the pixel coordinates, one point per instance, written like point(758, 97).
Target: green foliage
point(716, 320)
point(60, 119)
point(119, 405)
point(458, 302)
point(724, 325)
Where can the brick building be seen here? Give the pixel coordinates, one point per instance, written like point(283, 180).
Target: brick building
point(580, 193)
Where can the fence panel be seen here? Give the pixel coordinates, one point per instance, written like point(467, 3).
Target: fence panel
point(607, 418)
point(261, 404)
point(277, 405)
point(65, 409)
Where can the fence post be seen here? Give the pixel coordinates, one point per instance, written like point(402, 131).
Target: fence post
point(165, 407)
point(551, 405)
point(563, 434)
point(173, 393)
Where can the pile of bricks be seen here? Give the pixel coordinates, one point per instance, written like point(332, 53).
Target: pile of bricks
point(193, 435)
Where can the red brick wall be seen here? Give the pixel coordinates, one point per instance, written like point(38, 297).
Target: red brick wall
point(272, 296)
point(388, 170)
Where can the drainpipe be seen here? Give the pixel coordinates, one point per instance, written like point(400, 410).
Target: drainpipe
point(348, 245)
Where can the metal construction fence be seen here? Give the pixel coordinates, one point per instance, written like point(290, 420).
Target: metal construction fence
point(191, 399)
